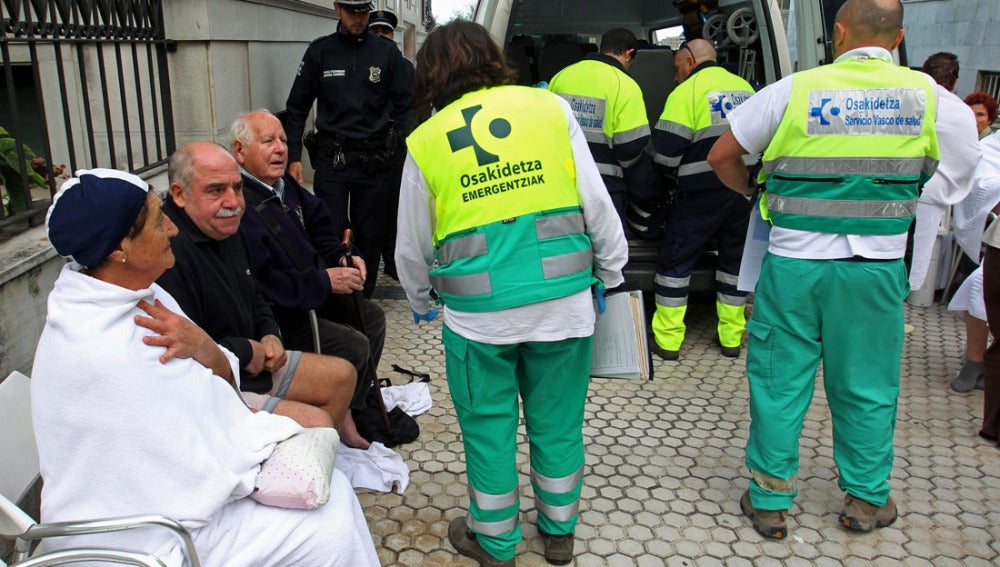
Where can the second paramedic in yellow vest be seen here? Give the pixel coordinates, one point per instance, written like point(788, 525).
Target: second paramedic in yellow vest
point(502, 211)
point(608, 105)
point(847, 147)
point(693, 118)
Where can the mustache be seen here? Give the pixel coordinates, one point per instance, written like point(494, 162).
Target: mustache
point(229, 213)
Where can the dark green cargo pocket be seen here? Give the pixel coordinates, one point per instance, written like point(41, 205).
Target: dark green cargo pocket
point(457, 368)
point(760, 352)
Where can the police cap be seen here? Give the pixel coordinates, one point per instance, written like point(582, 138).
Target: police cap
point(357, 5)
point(383, 18)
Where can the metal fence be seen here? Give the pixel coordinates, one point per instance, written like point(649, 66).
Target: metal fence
point(85, 84)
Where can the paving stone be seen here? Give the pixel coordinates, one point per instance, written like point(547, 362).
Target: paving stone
point(665, 468)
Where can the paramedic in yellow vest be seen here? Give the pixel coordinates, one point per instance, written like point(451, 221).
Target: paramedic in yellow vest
point(693, 118)
point(502, 212)
point(847, 147)
point(608, 105)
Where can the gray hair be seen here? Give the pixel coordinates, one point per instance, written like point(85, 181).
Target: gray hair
point(241, 130)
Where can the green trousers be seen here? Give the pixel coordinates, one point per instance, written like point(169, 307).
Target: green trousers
point(485, 381)
point(849, 315)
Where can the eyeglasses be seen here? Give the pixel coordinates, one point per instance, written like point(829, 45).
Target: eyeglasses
point(685, 46)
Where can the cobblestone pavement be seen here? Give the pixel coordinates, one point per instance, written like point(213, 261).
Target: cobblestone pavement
point(665, 465)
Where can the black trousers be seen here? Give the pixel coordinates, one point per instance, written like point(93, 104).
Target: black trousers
point(991, 365)
point(340, 335)
point(359, 200)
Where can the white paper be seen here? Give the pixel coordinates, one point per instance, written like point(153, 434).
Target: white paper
point(758, 236)
point(620, 349)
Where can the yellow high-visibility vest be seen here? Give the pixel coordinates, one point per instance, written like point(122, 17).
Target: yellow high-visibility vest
point(509, 230)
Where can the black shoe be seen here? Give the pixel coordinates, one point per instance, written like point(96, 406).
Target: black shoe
point(664, 353)
point(465, 543)
point(558, 549)
point(730, 351)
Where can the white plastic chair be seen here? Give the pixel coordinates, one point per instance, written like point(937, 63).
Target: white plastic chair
point(18, 471)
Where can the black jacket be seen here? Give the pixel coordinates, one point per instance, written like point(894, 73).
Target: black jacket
point(362, 85)
point(212, 282)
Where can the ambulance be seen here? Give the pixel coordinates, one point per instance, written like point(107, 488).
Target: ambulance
point(760, 40)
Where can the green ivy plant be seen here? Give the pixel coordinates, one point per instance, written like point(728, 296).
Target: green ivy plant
point(10, 173)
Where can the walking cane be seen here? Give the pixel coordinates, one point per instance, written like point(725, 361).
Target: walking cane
point(359, 308)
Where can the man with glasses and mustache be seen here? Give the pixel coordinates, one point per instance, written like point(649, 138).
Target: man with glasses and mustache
point(364, 112)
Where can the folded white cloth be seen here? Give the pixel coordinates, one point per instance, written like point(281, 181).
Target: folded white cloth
point(377, 468)
point(413, 398)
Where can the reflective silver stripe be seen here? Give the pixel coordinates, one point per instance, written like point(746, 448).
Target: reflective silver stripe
point(558, 513)
point(608, 169)
point(694, 168)
point(842, 209)
point(672, 127)
point(557, 485)
point(671, 301)
point(850, 166)
point(635, 209)
point(673, 282)
point(734, 300)
point(474, 284)
point(558, 225)
point(731, 279)
point(667, 161)
point(493, 501)
point(596, 137)
point(697, 167)
point(630, 162)
point(464, 247)
point(492, 528)
point(710, 132)
point(627, 136)
point(566, 264)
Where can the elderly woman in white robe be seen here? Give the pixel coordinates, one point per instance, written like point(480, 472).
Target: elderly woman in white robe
point(134, 406)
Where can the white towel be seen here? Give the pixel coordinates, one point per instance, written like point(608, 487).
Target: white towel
point(377, 468)
point(119, 433)
point(413, 398)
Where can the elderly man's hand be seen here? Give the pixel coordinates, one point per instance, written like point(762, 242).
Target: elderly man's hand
point(181, 337)
point(274, 353)
point(256, 364)
point(358, 263)
point(345, 280)
point(295, 170)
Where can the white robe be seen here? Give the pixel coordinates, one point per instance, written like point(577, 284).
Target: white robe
point(119, 433)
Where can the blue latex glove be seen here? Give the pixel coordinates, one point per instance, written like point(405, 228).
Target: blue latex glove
point(429, 316)
point(599, 293)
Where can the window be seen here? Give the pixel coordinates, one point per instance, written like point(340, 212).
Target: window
point(989, 82)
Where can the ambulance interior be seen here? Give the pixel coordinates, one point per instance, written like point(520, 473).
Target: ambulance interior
point(540, 37)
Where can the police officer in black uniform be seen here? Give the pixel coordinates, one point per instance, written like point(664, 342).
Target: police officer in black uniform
point(364, 113)
point(383, 23)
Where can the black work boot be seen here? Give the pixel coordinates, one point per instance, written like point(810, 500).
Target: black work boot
point(465, 543)
point(558, 549)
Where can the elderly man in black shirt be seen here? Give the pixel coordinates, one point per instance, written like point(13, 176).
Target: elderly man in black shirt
point(213, 284)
